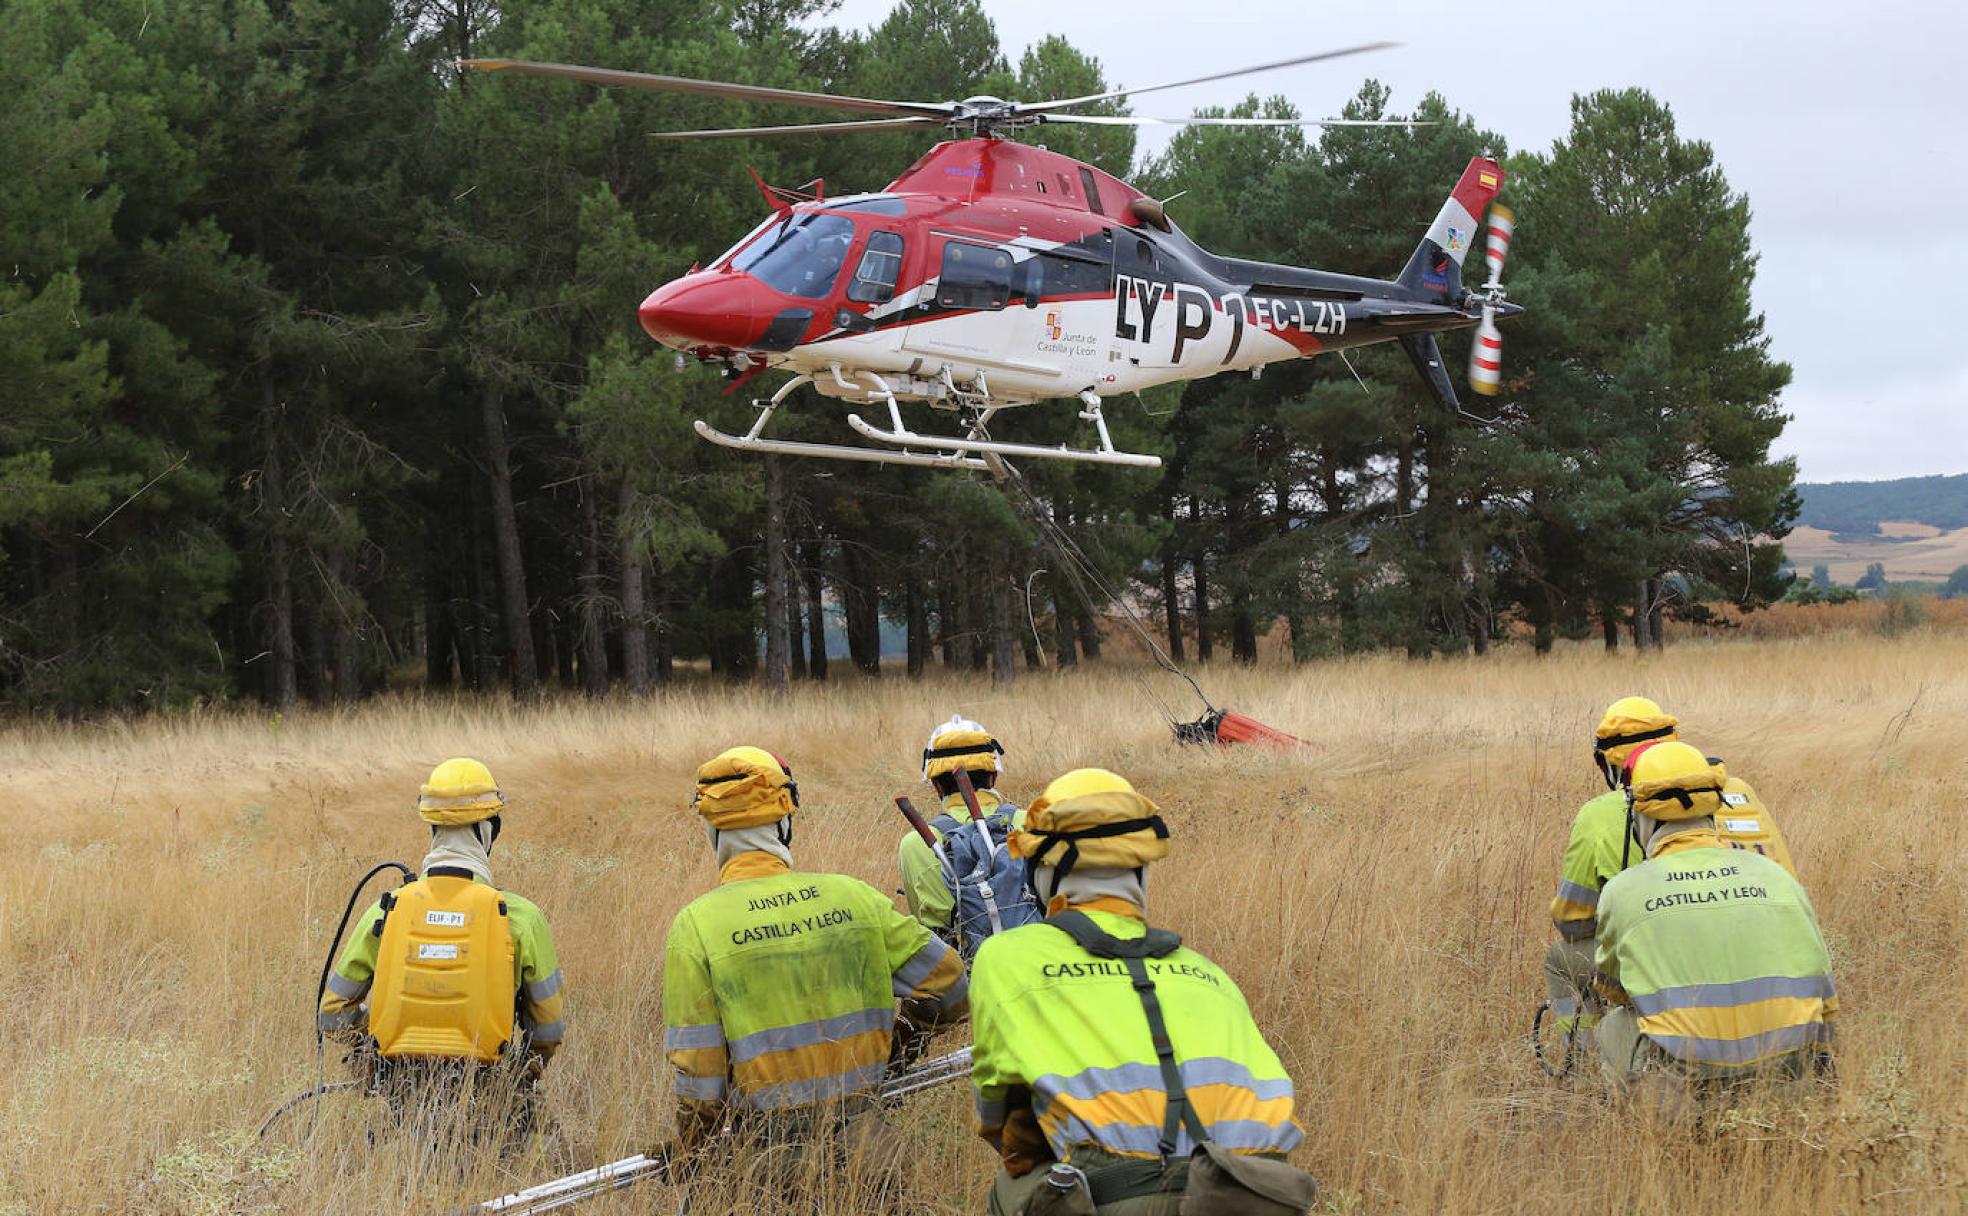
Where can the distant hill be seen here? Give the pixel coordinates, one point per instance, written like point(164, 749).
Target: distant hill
point(1853, 510)
point(1917, 527)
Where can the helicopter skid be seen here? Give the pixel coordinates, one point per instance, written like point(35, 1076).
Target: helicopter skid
point(835, 451)
point(991, 447)
point(976, 451)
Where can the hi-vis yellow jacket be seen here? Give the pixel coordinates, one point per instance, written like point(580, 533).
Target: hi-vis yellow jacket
point(1599, 839)
point(1717, 950)
point(779, 990)
point(537, 986)
point(923, 885)
point(1062, 1054)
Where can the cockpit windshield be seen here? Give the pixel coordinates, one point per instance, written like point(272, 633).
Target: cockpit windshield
point(745, 240)
point(802, 258)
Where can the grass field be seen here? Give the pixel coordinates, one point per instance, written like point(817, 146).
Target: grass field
point(167, 890)
point(1907, 550)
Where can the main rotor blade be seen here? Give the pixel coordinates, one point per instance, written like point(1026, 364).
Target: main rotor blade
point(1129, 120)
point(838, 128)
point(1046, 107)
point(710, 88)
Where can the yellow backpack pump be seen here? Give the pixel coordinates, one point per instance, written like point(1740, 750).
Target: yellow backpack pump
point(445, 970)
point(444, 973)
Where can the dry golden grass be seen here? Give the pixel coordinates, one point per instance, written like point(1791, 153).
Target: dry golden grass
point(1794, 622)
point(168, 887)
point(1908, 550)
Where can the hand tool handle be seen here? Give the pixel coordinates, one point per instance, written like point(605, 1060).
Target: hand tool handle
point(916, 820)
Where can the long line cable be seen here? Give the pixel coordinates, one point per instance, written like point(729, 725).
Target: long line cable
point(1081, 571)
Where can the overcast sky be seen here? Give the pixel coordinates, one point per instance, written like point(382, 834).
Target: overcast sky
point(1842, 123)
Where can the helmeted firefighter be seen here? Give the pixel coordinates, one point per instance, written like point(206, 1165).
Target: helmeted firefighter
point(1601, 845)
point(1105, 1052)
point(449, 973)
point(1710, 954)
point(780, 987)
point(970, 885)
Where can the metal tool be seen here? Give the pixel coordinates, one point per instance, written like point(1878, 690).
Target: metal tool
point(558, 1193)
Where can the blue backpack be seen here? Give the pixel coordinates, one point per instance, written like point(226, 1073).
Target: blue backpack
point(988, 881)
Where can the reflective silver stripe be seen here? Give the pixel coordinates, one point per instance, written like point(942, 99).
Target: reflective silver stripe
point(1130, 1078)
point(540, 990)
point(341, 1019)
point(693, 1038)
point(1246, 1134)
point(1571, 891)
point(1697, 1050)
point(1742, 992)
point(347, 989)
point(990, 1111)
point(956, 994)
point(1253, 1136)
point(810, 1034)
point(547, 1032)
point(699, 1089)
point(920, 964)
point(433, 802)
point(1578, 930)
point(865, 1079)
point(1116, 1137)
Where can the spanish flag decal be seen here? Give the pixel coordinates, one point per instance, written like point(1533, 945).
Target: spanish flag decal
point(1488, 179)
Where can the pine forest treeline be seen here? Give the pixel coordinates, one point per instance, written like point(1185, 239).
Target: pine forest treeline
point(319, 374)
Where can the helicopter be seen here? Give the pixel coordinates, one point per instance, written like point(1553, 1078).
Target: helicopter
point(992, 275)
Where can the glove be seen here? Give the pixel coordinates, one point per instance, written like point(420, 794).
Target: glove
point(909, 1041)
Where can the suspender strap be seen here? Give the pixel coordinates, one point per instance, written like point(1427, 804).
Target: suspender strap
point(1180, 1112)
point(1133, 953)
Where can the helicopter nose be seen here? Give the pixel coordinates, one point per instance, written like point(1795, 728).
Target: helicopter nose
point(725, 310)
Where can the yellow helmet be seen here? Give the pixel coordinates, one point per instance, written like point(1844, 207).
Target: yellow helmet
point(961, 744)
point(1100, 819)
point(460, 791)
point(745, 787)
point(1628, 722)
point(1673, 781)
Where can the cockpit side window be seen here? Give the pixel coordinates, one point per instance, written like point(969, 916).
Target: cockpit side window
point(974, 276)
point(803, 259)
point(881, 265)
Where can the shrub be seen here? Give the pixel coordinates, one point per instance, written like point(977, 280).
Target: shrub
point(1900, 609)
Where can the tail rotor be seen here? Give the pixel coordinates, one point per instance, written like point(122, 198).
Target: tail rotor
point(1486, 353)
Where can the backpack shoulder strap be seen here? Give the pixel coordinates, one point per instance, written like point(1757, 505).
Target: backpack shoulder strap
point(1133, 953)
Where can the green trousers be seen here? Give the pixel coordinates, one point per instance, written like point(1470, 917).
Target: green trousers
point(1568, 970)
point(1029, 1195)
point(1632, 1066)
point(801, 1161)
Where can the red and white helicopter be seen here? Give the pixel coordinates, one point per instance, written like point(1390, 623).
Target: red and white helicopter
point(993, 274)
